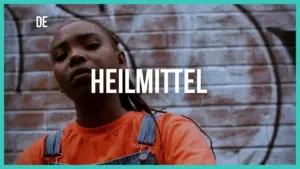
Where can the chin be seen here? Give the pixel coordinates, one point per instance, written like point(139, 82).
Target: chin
point(80, 93)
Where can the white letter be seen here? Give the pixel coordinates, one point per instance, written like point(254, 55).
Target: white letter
point(94, 80)
point(166, 78)
point(127, 81)
point(120, 80)
point(187, 81)
point(44, 21)
point(199, 90)
point(38, 21)
point(177, 71)
point(156, 80)
point(109, 81)
point(145, 83)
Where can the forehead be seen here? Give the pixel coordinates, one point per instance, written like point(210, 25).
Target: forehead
point(76, 28)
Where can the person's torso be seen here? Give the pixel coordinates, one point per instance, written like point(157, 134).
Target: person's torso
point(132, 139)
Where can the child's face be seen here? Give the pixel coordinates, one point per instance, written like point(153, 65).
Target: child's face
point(81, 45)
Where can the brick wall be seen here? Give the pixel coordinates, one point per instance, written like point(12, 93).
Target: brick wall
point(240, 108)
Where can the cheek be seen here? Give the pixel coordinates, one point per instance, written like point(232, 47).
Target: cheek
point(60, 78)
point(105, 58)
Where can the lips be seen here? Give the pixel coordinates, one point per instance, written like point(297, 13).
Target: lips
point(79, 73)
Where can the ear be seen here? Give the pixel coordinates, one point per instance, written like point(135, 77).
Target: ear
point(122, 59)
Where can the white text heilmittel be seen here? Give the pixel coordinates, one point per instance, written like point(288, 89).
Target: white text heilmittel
point(147, 80)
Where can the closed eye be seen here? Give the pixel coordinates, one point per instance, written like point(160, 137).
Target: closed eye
point(92, 46)
point(60, 57)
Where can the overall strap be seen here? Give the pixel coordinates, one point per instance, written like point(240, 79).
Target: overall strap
point(147, 131)
point(52, 145)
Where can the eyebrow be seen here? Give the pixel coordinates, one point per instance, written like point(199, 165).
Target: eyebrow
point(78, 36)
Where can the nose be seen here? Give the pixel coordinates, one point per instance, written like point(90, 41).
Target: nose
point(76, 60)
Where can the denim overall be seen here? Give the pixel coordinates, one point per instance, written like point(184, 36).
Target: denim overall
point(146, 137)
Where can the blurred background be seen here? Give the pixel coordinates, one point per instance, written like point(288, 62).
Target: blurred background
point(246, 52)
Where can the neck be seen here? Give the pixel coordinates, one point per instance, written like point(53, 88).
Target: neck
point(98, 110)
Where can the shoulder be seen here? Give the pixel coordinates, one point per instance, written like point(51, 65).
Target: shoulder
point(168, 121)
point(174, 119)
point(179, 127)
point(33, 153)
point(183, 140)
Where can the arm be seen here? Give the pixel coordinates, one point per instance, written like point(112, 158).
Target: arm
point(186, 144)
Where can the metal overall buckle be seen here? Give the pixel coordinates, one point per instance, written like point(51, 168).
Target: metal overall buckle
point(56, 158)
point(144, 153)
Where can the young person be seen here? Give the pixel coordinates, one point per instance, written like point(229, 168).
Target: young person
point(110, 128)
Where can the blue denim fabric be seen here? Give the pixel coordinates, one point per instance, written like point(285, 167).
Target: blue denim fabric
point(146, 137)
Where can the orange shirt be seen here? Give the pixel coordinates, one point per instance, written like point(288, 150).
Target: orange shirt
point(181, 142)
